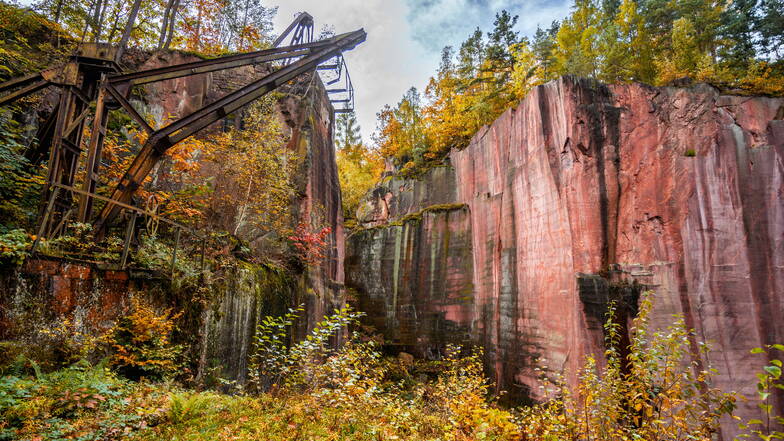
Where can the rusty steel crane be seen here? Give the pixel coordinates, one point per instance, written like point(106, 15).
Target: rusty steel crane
point(91, 83)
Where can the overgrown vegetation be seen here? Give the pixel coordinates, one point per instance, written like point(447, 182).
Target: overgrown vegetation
point(20, 183)
point(29, 41)
point(652, 389)
point(240, 183)
point(141, 344)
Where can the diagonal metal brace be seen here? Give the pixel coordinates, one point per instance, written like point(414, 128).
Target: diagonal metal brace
point(161, 140)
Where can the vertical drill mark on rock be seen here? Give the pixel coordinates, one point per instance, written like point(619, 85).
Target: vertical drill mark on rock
point(395, 272)
point(545, 125)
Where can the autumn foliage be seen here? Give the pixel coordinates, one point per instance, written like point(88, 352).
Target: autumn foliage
point(359, 165)
point(310, 245)
point(141, 343)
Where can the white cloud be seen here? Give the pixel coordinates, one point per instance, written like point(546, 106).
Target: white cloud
point(405, 38)
point(386, 64)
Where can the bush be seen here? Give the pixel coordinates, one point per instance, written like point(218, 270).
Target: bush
point(142, 346)
point(274, 363)
point(20, 182)
point(79, 402)
point(770, 379)
point(658, 391)
point(14, 246)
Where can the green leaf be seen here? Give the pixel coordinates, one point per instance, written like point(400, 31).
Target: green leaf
point(755, 422)
point(778, 346)
point(775, 371)
point(757, 351)
point(776, 362)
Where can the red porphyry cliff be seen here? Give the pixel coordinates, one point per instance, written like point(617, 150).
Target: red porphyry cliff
point(581, 186)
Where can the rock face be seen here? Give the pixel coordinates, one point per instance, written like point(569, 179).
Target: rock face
point(307, 121)
point(582, 192)
point(45, 303)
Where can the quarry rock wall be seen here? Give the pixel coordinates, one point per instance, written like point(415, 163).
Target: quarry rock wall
point(581, 194)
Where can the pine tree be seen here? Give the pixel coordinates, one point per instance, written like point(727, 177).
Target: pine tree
point(471, 55)
point(499, 41)
point(737, 27)
point(543, 47)
point(626, 51)
point(347, 131)
point(770, 25)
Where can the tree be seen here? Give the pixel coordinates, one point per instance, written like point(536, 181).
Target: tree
point(470, 55)
point(770, 25)
point(239, 181)
point(129, 26)
point(105, 20)
point(359, 168)
point(625, 47)
point(542, 47)
point(401, 133)
point(498, 58)
point(347, 131)
point(168, 24)
point(245, 24)
point(737, 26)
point(577, 50)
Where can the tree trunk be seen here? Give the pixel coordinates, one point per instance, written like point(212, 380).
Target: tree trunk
point(244, 25)
point(100, 7)
point(128, 28)
point(172, 21)
point(58, 11)
point(165, 24)
point(103, 15)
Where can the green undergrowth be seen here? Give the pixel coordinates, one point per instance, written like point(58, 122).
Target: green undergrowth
point(310, 390)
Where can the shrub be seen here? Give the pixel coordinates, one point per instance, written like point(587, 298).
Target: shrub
point(658, 391)
point(20, 182)
point(769, 379)
point(141, 343)
point(274, 363)
point(79, 402)
point(14, 246)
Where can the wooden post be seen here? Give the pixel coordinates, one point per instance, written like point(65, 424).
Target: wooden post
point(128, 237)
point(174, 251)
point(45, 219)
point(94, 153)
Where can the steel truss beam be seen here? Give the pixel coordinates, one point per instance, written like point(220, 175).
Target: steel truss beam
point(161, 140)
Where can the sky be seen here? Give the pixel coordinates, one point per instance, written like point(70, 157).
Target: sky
point(405, 38)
